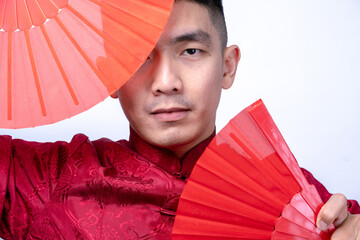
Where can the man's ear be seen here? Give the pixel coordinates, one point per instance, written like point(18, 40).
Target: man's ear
point(231, 59)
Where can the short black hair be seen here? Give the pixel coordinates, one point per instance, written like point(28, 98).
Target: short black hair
point(216, 12)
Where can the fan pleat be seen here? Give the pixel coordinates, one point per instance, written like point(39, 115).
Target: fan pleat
point(245, 195)
point(305, 215)
point(132, 10)
point(289, 236)
point(2, 11)
point(116, 31)
point(218, 229)
point(48, 8)
point(82, 52)
point(231, 175)
point(273, 135)
point(121, 34)
point(36, 14)
point(59, 65)
point(3, 75)
point(289, 227)
point(263, 161)
point(146, 8)
point(24, 20)
point(34, 91)
point(35, 74)
point(299, 219)
point(157, 3)
point(227, 216)
point(23, 93)
point(251, 167)
point(10, 21)
point(214, 199)
point(23, 14)
point(112, 73)
point(116, 49)
point(143, 30)
point(291, 219)
point(60, 3)
point(76, 61)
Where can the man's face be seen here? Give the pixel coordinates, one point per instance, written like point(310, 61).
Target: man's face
point(171, 100)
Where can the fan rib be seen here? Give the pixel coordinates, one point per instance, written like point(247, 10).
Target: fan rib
point(36, 14)
point(9, 76)
point(294, 223)
point(230, 229)
point(273, 203)
point(263, 214)
point(156, 4)
point(288, 226)
point(253, 154)
point(35, 74)
point(60, 3)
point(276, 140)
point(299, 206)
point(287, 236)
point(98, 73)
point(101, 5)
point(23, 15)
point(281, 149)
point(104, 36)
point(100, 76)
point(257, 156)
point(59, 65)
point(48, 8)
point(106, 3)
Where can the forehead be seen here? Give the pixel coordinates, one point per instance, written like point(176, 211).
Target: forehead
point(187, 17)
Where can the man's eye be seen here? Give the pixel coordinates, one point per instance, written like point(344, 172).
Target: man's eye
point(191, 51)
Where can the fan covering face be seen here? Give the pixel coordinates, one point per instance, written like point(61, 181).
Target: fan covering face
point(61, 57)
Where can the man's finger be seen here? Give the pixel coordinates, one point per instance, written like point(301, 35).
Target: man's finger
point(348, 230)
point(333, 212)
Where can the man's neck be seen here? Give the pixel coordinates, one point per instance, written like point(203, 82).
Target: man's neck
point(167, 159)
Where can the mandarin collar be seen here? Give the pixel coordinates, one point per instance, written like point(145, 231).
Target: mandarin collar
point(165, 158)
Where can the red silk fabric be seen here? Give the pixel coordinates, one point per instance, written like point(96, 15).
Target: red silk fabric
point(95, 189)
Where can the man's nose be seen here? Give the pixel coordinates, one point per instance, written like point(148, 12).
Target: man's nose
point(166, 77)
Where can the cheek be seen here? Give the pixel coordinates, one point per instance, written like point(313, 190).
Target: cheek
point(130, 94)
point(128, 98)
point(207, 86)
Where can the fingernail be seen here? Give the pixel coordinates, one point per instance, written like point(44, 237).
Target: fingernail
point(322, 226)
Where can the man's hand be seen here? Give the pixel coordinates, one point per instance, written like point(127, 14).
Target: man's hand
point(335, 212)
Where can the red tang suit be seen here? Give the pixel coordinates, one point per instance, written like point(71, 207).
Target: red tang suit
point(95, 189)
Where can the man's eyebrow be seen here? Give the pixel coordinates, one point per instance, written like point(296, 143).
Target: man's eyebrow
point(197, 36)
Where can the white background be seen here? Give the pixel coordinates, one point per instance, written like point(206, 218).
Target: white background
point(303, 59)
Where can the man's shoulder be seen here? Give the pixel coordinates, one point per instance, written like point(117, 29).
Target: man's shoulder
point(78, 141)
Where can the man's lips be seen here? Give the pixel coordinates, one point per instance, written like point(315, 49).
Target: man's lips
point(170, 114)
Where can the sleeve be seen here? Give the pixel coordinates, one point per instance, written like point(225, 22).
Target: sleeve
point(353, 206)
point(28, 173)
point(5, 156)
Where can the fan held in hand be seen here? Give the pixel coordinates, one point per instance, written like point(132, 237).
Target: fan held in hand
point(61, 57)
point(248, 185)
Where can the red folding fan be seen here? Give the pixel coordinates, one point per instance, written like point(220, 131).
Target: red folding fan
point(61, 57)
point(248, 185)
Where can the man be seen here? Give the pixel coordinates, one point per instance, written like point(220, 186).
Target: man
point(130, 190)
